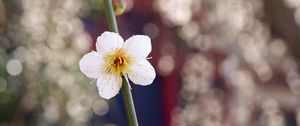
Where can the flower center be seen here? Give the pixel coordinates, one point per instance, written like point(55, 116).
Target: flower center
point(117, 62)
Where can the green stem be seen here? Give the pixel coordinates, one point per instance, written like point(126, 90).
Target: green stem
point(110, 15)
point(128, 101)
point(125, 89)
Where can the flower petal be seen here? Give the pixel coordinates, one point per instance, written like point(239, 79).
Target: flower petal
point(108, 41)
point(138, 46)
point(141, 73)
point(109, 85)
point(91, 64)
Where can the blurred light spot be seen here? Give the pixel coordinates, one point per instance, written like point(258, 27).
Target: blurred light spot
point(189, 31)
point(85, 9)
point(278, 48)
point(188, 96)
point(100, 107)
point(53, 70)
point(245, 41)
point(73, 122)
point(243, 81)
point(179, 16)
point(272, 113)
point(269, 105)
point(56, 42)
point(76, 111)
point(34, 17)
point(263, 71)
point(202, 42)
point(64, 28)
point(289, 65)
point(191, 112)
point(71, 5)
point(41, 52)
point(233, 14)
point(77, 26)
point(70, 60)
point(65, 80)
point(298, 116)
point(168, 49)
point(297, 15)
point(85, 102)
point(177, 117)
point(252, 55)
point(292, 3)
point(197, 73)
point(29, 101)
point(166, 65)
point(192, 83)
point(34, 21)
point(58, 15)
point(242, 115)
point(239, 19)
point(293, 80)
point(21, 53)
point(39, 34)
point(82, 42)
point(295, 85)
point(151, 30)
point(230, 68)
point(52, 112)
point(3, 84)
point(14, 67)
point(129, 5)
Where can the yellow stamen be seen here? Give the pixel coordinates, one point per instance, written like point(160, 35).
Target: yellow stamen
point(117, 62)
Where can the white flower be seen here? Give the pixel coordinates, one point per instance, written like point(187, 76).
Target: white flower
point(115, 58)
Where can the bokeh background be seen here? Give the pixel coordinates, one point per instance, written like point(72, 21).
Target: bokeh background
point(218, 63)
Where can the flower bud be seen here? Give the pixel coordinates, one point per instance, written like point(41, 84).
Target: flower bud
point(119, 6)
